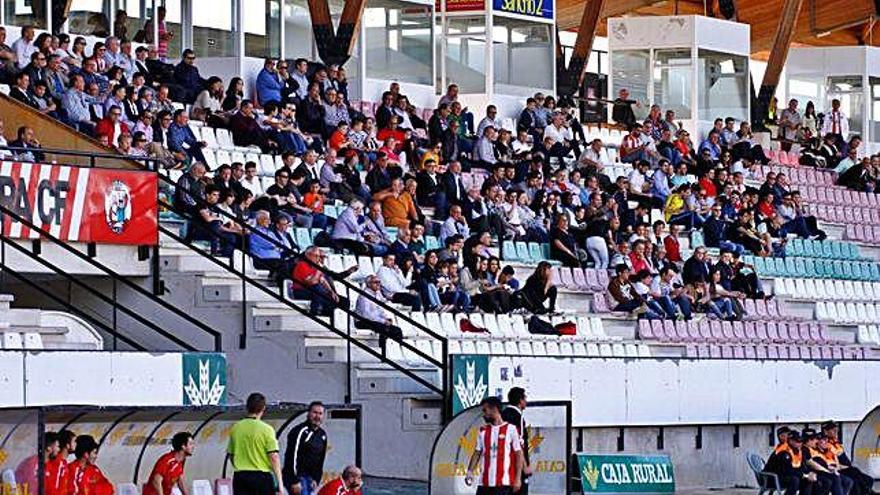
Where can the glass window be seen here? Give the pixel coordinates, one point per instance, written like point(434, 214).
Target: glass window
point(262, 27)
point(298, 39)
point(466, 54)
point(523, 56)
point(213, 35)
point(850, 92)
point(398, 41)
point(875, 109)
point(673, 81)
point(723, 85)
point(131, 17)
point(89, 17)
point(25, 12)
point(630, 71)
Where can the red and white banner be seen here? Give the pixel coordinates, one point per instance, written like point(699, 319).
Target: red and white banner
point(78, 204)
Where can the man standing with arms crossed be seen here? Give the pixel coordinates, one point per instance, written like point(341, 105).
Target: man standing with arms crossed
point(253, 452)
point(498, 452)
point(168, 470)
point(304, 456)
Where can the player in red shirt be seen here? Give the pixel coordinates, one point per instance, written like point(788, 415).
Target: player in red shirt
point(499, 454)
point(349, 484)
point(57, 469)
point(168, 470)
point(85, 476)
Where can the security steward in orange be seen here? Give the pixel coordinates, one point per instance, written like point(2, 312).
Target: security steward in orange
point(825, 468)
point(773, 462)
point(789, 465)
point(862, 483)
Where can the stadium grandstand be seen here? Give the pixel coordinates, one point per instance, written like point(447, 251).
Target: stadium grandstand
point(398, 246)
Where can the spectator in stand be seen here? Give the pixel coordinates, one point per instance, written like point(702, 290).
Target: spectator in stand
point(269, 83)
point(454, 225)
point(246, 131)
point(21, 90)
point(835, 123)
point(622, 112)
point(538, 288)
point(394, 285)
point(491, 119)
point(310, 282)
point(789, 125)
point(24, 47)
point(310, 112)
point(27, 144)
point(372, 316)
point(223, 234)
point(451, 96)
point(594, 157)
point(374, 231)
point(484, 149)
point(678, 210)
point(348, 231)
point(712, 144)
point(36, 69)
point(715, 232)
point(623, 292)
point(335, 112)
point(563, 246)
point(438, 125)
point(182, 140)
point(300, 77)
point(7, 59)
point(187, 77)
point(273, 248)
point(632, 149)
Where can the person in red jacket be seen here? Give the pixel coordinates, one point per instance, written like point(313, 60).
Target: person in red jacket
point(85, 476)
point(111, 126)
point(349, 483)
point(168, 470)
point(57, 479)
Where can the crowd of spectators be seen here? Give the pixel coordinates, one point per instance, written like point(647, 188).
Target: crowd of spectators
point(397, 171)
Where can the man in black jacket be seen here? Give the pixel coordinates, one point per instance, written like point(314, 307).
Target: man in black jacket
point(304, 456)
point(513, 414)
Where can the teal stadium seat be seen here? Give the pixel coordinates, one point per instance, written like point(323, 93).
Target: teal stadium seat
point(795, 247)
point(432, 242)
point(522, 252)
point(508, 251)
point(303, 239)
point(535, 252)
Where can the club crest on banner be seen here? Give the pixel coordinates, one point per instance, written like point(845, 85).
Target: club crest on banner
point(117, 206)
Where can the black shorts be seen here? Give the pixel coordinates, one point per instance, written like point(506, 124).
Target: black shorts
point(253, 483)
point(494, 490)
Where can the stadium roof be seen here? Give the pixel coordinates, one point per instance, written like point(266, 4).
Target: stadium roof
point(820, 23)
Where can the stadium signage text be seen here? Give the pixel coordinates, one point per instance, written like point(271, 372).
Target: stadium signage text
point(626, 474)
point(531, 8)
point(78, 204)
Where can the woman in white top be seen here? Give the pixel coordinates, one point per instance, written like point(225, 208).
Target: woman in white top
point(209, 103)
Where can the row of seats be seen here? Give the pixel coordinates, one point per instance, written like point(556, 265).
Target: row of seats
point(561, 348)
point(218, 138)
point(827, 249)
point(716, 331)
point(869, 234)
point(778, 352)
point(839, 196)
point(827, 289)
point(869, 334)
point(817, 268)
point(843, 214)
point(847, 312)
point(583, 280)
point(526, 252)
point(21, 341)
point(797, 175)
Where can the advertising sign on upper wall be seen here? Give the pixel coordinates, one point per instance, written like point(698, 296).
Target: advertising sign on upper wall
point(460, 5)
point(531, 8)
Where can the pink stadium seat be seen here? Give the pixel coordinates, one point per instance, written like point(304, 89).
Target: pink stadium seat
point(671, 331)
point(874, 214)
point(749, 307)
point(658, 331)
point(554, 275)
point(761, 331)
point(691, 351)
point(794, 158)
point(580, 280)
point(777, 352)
point(592, 277)
point(782, 158)
point(750, 332)
point(771, 330)
point(600, 305)
point(761, 351)
point(727, 351)
point(794, 352)
point(838, 197)
point(815, 353)
point(804, 333)
point(805, 352)
point(822, 196)
point(739, 332)
point(857, 215)
point(773, 309)
point(850, 233)
point(837, 352)
point(812, 177)
point(645, 331)
point(772, 155)
point(825, 352)
point(566, 277)
point(603, 278)
point(717, 333)
point(705, 331)
point(823, 332)
point(872, 200)
point(739, 352)
point(761, 309)
point(715, 351)
point(784, 333)
point(727, 331)
point(703, 351)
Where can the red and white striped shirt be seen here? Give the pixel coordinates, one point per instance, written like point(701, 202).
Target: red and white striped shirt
point(498, 445)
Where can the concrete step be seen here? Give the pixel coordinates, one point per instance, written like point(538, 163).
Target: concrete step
point(222, 289)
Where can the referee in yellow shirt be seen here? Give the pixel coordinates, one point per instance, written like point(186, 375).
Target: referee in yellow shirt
point(253, 452)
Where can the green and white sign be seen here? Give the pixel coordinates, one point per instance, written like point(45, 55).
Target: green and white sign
point(626, 473)
point(204, 379)
point(470, 381)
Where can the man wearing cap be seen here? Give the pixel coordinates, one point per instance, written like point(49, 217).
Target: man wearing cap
point(826, 470)
point(773, 464)
point(792, 470)
point(862, 483)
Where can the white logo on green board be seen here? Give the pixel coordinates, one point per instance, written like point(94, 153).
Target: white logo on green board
point(204, 379)
point(471, 381)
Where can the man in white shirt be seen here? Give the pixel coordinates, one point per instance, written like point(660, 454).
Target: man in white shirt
point(24, 47)
point(455, 224)
point(563, 140)
point(835, 122)
point(595, 156)
point(373, 316)
point(250, 181)
point(394, 285)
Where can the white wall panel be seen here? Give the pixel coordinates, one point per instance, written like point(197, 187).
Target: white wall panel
point(703, 397)
point(11, 379)
point(653, 392)
point(598, 391)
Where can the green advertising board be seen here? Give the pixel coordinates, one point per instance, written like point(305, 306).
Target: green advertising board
point(626, 473)
point(470, 381)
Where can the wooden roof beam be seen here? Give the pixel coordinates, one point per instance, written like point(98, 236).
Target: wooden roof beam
point(785, 30)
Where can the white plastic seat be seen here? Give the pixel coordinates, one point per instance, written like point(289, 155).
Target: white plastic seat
point(644, 350)
point(510, 347)
point(202, 487)
point(196, 130)
point(279, 162)
point(468, 347)
point(223, 157)
point(237, 156)
point(525, 348)
point(252, 157)
point(419, 318)
point(433, 322)
point(871, 313)
point(874, 334)
point(340, 320)
point(12, 340)
point(852, 312)
point(632, 350)
point(800, 288)
point(497, 347)
point(447, 322)
point(538, 349)
point(580, 349)
point(224, 139)
point(365, 267)
point(849, 291)
point(334, 262)
point(552, 348)
point(875, 289)
point(455, 347)
point(861, 313)
point(33, 341)
point(267, 165)
point(864, 335)
point(605, 350)
point(505, 327)
point(491, 324)
point(566, 348)
point(821, 311)
point(210, 159)
point(210, 138)
point(618, 350)
point(519, 327)
point(593, 349)
point(584, 328)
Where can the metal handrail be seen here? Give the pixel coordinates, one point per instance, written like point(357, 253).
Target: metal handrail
point(217, 336)
point(84, 154)
point(102, 297)
point(307, 313)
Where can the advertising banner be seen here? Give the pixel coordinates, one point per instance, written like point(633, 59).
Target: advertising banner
point(531, 8)
point(460, 5)
point(626, 473)
point(549, 435)
point(78, 204)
